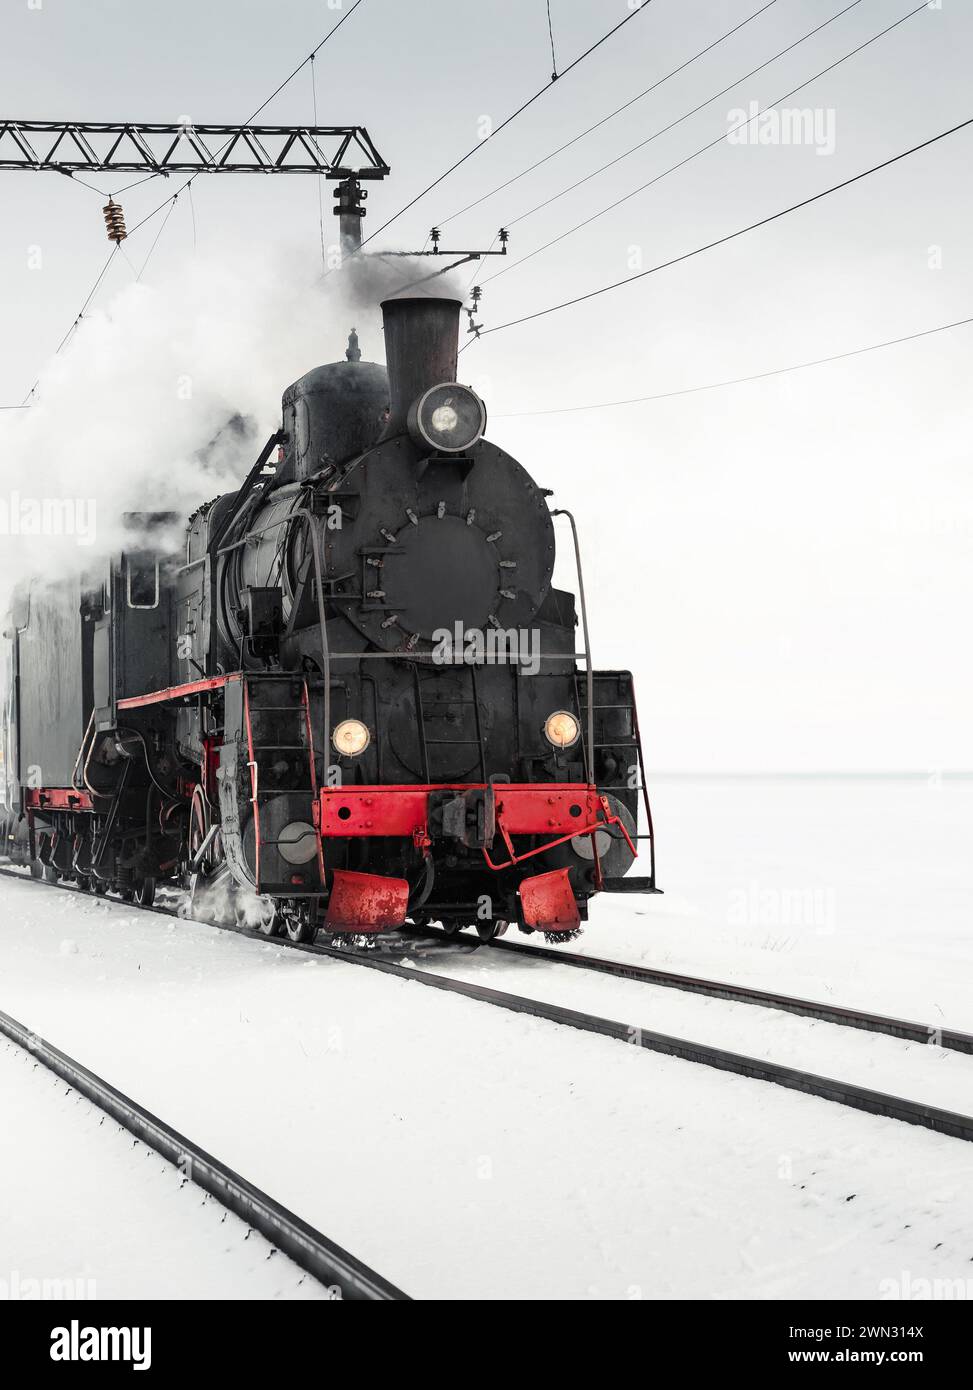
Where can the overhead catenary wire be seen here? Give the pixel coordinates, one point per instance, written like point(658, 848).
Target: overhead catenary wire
point(172, 208)
point(482, 264)
point(424, 279)
point(736, 380)
point(611, 115)
point(73, 176)
point(147, 178)
point(91, 294)
point(507, 121)
point(550, 30)
point(187, 185)
point(314, 102)
point(254, 114)
point(264, 104)
point(732, 236)
point(664, 130)
point(77, 319)
point(711, 144)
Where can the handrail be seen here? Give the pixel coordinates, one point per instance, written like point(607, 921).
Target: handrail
point(319, 587)
point(589, 673)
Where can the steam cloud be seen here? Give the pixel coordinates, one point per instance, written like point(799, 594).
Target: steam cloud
point(165, 395)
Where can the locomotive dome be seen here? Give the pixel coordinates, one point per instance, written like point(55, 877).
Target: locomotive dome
point(334, 412)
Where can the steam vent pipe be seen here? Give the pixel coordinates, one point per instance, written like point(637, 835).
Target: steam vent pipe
point(421, 345)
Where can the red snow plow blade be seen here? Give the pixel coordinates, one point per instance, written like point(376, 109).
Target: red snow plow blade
point(548, 902)
point(366, 902)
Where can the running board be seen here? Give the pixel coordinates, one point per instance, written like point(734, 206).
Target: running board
point(629, 885)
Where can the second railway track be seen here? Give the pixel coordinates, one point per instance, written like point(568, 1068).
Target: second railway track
point(949, 1038)
point(307, 1247)
point(873, 1102)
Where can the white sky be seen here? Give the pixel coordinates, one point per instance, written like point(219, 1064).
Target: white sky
point(786, 564)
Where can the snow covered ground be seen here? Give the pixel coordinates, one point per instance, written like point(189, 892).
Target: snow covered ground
point(858, 890)
point(89, 1213)
point(469, 1153)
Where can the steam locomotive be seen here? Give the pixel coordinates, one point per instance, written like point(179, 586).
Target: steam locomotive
point(350, 700)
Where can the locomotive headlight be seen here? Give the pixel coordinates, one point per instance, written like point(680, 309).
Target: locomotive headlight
point(351, 737)
point(447, 417)
point(444, 419)
point(561, 729)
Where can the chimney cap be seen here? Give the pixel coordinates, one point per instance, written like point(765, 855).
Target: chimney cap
point(413, 300)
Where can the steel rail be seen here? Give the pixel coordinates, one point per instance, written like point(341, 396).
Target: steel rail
point(845, 1093)
point(307, 1247)
point(949, 1038)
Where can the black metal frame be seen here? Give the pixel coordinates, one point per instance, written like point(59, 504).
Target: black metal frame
point(135, 147)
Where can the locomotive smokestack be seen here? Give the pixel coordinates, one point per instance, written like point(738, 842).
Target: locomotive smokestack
point(421, 345)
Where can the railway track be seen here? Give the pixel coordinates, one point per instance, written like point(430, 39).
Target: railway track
point(739, 994)
point(940, 1121)
point(307, 1247)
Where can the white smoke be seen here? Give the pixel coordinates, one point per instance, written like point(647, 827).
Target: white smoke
point(368, 279)
point(222, 901)
point(166, 393)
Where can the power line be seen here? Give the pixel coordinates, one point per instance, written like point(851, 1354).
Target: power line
point(172, 200)
point(719, 140)
point(75, 179)
point(314, 102)
point(512, 117)
point(731, 236)
point(310, 57)
point(611, 115)
point(134, 184)
point(249, 120)
point(686, 115)
point(739, 380)
point(77, 319)
point(172, 208)
point(550, 30)
point(264, 104)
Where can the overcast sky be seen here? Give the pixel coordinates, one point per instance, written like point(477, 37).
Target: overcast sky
point(786, 564)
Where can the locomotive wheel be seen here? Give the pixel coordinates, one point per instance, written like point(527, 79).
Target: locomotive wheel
point(268, 923)
point(301, 921)
point(199, 824)
point(98, 886)
point(144, 892)
point(486, 931)
point(202, 905)
point(84, 884)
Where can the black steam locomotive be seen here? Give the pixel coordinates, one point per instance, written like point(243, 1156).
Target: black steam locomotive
point(352, 700)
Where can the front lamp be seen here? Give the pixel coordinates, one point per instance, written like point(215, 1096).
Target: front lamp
point(562, 729)
point(351, 737)
point(449, 418)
